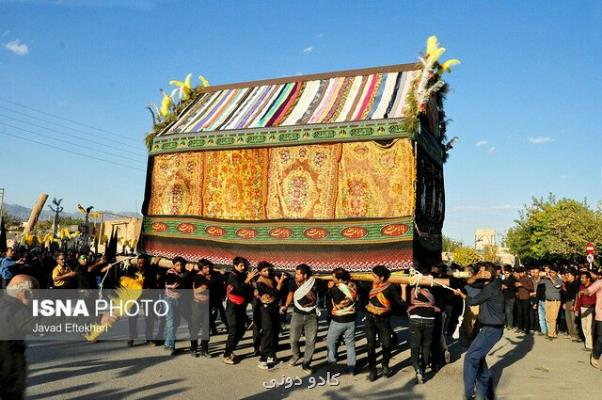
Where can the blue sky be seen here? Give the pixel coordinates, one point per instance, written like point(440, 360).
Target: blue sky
point(524, 102)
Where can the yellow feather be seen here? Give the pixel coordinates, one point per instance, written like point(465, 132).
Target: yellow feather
point(204, 82)
point(165, 105)
point(446, 66)
point(431, 45)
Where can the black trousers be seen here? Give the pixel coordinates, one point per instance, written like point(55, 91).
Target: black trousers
point(13, 371)
point(270, 329)
point(509, 311)
point(149, 322)
point(199, 321)
point(217, 307)
point(523, 313)
point(257, 325)
point(421, 338)
point(597, 333)
point(381, 326)
point(236, 315)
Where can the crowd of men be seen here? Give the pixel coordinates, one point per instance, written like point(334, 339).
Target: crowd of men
point(545, 300)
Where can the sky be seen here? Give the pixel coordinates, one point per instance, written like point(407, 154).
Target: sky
point(77, 75)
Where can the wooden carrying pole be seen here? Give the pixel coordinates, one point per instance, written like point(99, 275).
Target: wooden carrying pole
point(396, 277)
point(35, 214)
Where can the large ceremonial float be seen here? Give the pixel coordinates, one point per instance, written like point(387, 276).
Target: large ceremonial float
point(334, 169)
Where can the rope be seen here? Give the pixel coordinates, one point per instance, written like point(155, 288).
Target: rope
point(415, 277)
point(126, 260)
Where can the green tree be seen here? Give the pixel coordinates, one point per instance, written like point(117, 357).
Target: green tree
point(490, 253)
point(550, 230)
point(465, 256)
point(450, 244)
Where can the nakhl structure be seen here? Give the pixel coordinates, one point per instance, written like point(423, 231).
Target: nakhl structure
point(334, 169)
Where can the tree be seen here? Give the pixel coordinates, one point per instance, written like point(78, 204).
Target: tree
point(450, 245)
point(553, 230)
point(465, 256)
point(490, 253)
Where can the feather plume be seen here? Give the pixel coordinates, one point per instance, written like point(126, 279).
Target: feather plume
point(204, 82)
point(446, 66)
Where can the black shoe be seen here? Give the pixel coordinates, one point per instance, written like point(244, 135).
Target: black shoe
point(351, 371)
point(306, 368)
point(130, 343)
point(387, 373)
point(372, 375)
point(172, 351)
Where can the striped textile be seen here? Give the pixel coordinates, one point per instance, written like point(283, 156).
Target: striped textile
point(340, 99)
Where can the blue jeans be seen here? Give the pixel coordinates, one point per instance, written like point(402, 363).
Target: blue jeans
point(335, 330)
point(172, 321)
point(476, 371)
point(541, 312)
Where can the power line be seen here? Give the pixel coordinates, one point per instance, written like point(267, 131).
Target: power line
point(64, 133)
point(64, 119)
point(71, 151)
point(67, 142)
point(61, 125)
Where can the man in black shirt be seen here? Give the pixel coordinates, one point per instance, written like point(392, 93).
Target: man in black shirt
point(238, 291)
point(303, 295)
point(343, 301)
point(382, 300)
point(217, 293)
point(491, 322)
point(571, 288)
point(266, 293)
point(509, 292)
point(150, 292)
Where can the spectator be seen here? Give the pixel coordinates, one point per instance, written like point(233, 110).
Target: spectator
point(553, 288)
point(509, 292)
point(571, 288)
point(596, 289)
point(584, 307)
point(524, 289)
point(63, 277)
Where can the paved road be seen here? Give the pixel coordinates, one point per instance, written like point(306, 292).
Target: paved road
point(527, 367)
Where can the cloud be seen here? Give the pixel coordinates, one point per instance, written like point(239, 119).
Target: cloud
point(17, 47)
point(320, 35)
point(491, 149)
point(308, 50)
point(299, 73)
point(540, 139)
point(481, 143)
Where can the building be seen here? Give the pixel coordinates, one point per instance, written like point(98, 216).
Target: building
point(484, 237)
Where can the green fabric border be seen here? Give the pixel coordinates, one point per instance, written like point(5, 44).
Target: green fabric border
point(373, 230)
point(280, 136)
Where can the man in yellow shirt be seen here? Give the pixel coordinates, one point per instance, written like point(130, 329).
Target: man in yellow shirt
point(62, 275)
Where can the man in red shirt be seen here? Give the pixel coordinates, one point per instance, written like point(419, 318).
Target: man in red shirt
point(584, 307)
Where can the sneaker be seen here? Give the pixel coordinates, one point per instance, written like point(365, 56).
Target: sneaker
point(387, 373)
point(419, 378)
point(293, 361)
point(263, 365)
point(229, 360)
point(272, 360)
point(172, 351)
point(595, 362)
point(447, 357)
point(351, 371)
point(130, 343)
